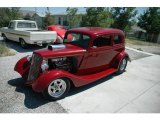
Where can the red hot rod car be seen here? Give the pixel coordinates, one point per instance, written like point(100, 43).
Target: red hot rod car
point(92, 53)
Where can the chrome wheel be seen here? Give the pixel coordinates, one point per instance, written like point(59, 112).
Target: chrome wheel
point(123, 64)
point(57, 88)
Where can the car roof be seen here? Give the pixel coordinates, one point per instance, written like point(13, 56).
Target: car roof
point(96, 30)
point(22, 21)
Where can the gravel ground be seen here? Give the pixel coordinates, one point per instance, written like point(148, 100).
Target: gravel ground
point(150, 49)
point(15, 97)
point(135, 55)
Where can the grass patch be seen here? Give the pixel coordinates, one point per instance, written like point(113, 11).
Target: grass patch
point(4, 50)
point(135, 41)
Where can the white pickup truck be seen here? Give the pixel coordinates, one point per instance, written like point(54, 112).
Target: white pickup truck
point(26, 32)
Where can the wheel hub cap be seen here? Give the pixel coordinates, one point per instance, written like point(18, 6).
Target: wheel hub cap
point(57, 88)
point(123, 64)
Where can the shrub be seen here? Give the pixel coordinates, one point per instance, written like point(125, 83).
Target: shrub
point(4, 50)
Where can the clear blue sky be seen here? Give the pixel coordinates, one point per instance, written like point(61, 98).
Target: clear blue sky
point(63, 9)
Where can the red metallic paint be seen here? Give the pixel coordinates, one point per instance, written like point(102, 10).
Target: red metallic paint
point(60, 32)
point(22, 67)
point(93, 63)
point(46, 78)
point(70, 50)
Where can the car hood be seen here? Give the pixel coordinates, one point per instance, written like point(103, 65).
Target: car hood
point(69, 50)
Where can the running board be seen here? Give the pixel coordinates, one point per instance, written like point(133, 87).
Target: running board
point(86, 79)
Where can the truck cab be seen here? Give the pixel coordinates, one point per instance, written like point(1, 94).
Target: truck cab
point(22, 25)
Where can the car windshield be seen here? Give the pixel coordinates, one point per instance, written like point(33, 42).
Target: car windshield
point(77, 39)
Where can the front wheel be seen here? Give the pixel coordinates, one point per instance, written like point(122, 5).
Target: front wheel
point(122, 65)
point(23, 43)
point(57, 89)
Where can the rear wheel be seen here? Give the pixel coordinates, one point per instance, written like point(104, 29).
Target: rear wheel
point(122, 65)
point(4, 37)
point(23, 43)
point(57, 89)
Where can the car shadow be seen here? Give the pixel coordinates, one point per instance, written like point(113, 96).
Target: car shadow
point(16, 46)
point(34, 100)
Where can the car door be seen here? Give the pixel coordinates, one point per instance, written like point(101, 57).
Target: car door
point(100, 54)
point(118, 43)
point(10, 33)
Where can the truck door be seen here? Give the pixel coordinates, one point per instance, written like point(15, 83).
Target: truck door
point(100, 54)
point(11, 32)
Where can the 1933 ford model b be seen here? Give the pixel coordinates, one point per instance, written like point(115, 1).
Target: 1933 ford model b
point(86, 55)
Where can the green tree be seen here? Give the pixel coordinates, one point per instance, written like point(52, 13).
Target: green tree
point(15, 13)
point(28, 17)
point(97, 17)
point(150, 21)
point(4, 17)
point(48, 20)
point(72, 17)
point(7, 14)
point(124, 17)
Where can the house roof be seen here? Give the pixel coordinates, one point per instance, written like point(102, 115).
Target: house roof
point(137, 28)
point(40, 14)
point(65, 13)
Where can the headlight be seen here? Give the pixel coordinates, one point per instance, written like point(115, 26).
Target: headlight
point(44, 65)
point(29, 58)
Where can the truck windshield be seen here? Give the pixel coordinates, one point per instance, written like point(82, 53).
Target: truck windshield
point(26, 25)
point(77, 39)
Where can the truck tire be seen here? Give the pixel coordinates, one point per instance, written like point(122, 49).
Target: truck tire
point(23, 43)
point(57, 89)
point(45, 44)
point(122, 65)
point(4, 37)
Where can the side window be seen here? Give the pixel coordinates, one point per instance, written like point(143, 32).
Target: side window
point(117, 39)
point(11, 25)
point(102, 41)
point(26, 25)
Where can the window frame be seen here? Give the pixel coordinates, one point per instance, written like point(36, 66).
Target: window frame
point(108, 46)
point(9, 27)
point(81, 34)
point(26, 26)
point(120, 38)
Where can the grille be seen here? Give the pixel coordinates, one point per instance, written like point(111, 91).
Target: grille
point(35, 67)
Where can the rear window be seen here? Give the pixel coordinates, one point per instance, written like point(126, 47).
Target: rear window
point(117, 39)
point(101, 41)
point(26, 25)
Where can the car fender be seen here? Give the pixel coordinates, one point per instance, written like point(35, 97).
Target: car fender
point(22, 67)
point(47, 77)
point(119, 57)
